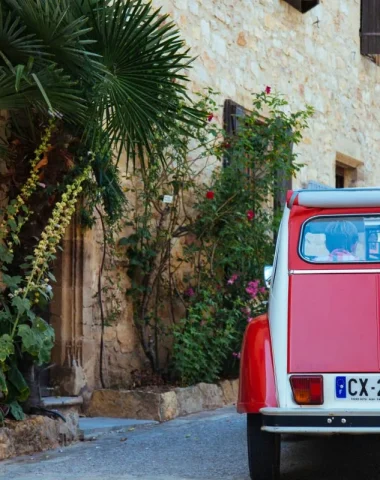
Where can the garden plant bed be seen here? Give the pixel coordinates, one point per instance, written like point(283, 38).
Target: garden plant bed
point(153, 404)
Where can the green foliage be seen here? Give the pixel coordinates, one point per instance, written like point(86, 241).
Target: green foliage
point(111, 68)
point(37, 339)
point(202, 339)
point(155, 226)
point(110, 76)
point(229, 225)
point(23, 333)
point(16, 410)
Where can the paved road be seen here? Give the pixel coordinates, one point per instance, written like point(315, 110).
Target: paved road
point(205, 447)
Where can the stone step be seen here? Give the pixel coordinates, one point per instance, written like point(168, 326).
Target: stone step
point(70, 408)
point(153, 405)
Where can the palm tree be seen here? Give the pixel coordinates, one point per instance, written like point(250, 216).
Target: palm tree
point(104, 66)
point(110, 72)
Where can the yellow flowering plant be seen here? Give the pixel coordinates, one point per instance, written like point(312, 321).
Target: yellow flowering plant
point(22, 330)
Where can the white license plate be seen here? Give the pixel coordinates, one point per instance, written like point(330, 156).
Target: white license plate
point(359, 389)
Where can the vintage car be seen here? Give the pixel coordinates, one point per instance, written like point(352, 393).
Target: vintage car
point(312, 364)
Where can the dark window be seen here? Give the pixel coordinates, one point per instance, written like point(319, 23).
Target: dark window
point(370, 27)
point(339, 177)
point(303, 6)
point(233, 115)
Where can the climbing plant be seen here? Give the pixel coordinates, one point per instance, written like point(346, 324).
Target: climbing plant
point(227, 225)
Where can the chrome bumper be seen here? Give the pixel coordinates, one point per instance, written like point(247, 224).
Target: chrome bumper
point(320, 421)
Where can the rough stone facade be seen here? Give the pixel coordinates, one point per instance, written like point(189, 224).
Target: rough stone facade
point(312, 59)
point(240, 48)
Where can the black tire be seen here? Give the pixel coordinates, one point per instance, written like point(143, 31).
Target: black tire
point(264, 450)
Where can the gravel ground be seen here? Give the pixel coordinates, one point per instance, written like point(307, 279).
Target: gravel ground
point(205, 446)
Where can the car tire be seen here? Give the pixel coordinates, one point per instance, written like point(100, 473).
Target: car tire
point(264, 450)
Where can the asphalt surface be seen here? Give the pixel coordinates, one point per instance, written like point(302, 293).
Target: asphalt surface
point(205, 446)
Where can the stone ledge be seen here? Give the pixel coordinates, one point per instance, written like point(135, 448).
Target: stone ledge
point(34, 434)
point(55, 402)
point(150, 405)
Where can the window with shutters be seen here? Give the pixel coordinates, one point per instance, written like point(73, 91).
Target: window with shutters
point(303, 6)
point(233, 115)
point(233, 118)
point(370, 29)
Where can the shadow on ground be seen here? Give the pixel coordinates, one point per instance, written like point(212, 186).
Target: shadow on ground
point(331, 458)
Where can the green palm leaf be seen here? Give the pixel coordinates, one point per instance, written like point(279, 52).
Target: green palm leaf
point(142, 90)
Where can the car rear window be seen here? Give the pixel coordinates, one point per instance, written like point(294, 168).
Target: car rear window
point(344, 239)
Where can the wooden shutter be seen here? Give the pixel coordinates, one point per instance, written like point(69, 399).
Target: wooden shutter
point(233, 114)
point(370, 27)
point(303, 6)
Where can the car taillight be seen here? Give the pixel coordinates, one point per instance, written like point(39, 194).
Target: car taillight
point(307, 390)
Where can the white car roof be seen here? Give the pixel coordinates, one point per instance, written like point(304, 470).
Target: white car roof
point(337, 198)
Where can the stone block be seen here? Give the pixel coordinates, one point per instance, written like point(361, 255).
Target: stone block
point(190, 400)
point(168, 406)
point(35, 434)
point(228, 391)
point(212, 396)
point(140, 405)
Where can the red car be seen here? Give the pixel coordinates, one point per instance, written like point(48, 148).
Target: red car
point(312, 364)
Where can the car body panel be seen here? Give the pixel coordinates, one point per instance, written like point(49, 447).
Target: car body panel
point(257, 385)
point(334, 323)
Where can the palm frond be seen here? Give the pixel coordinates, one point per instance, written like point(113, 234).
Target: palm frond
point(49, 90)
point(15, 43)
point(61, 33)
point(143, 88)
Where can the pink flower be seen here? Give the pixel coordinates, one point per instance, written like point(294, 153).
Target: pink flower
point(253, 288)
point(210, 195)
point(190, 292)
point(249, 319)
point(42, 185)
point(246, 311)
point(268, 90)
point(236, 355)
point(262, 290)
point(233, 279)
point(210, 117)
point(250, 215)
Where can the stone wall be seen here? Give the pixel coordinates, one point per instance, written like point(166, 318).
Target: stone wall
point(313, 58)
point(240, 47)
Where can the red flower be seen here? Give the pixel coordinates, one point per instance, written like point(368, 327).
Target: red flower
point(250, 215)
point(210, 195)
point(268, 90)
point(226, 145)
point(210, 117)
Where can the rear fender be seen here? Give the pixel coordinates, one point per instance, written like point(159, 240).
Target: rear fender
point(257, 387)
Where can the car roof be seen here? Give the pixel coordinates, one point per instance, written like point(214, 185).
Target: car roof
point(335, 198)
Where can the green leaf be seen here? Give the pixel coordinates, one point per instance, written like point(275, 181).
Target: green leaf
point(3, 383)
point(16, 410)
point(12, 282)
point(37, 340)
point(21, 304)
point(5, 255)
point(16, 379)
point(6, 347)
point(52, 277)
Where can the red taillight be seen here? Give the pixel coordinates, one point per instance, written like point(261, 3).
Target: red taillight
point(307, 390)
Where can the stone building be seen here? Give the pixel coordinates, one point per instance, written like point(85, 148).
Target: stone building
point(314, 52)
